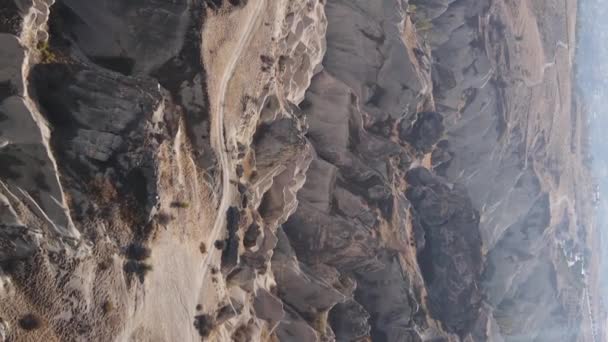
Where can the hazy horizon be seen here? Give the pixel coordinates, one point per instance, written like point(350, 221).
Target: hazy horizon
point(592, 69)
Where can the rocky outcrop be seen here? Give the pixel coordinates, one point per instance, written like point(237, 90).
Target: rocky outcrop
point(450, 259)
point(350, 321)
point(29, 177)
point(386, 74)
point(124, 37)
point(506, 165)
point(88, 135)
point(364, 138)
point(338, 170)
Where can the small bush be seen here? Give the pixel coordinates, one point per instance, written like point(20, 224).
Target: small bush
point(203, 248)
point(220, 244)
point(104, 265)
point(138, 268)
point(424, 25)
point(30, 322)
point(204, 325)
point(163, 218)
point(138, 252)
point(104, 189)
point(180, 204)
point(267, 59)
point(107, 307)
point(145, 268)
point(47, 56)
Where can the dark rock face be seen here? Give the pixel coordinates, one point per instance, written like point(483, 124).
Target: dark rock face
point(11, 17)
point(441, 157)
point(384, 294)
point(349, 320)
point(268, 307)
point(425, 132)
point(451, 259)
point(134, 31)
point(59, 90)
point(251, 235)
point(293, 325)
point(310, 291)
point(347, 246)
point(349, 195)
point(276, 141)
point(89, 138)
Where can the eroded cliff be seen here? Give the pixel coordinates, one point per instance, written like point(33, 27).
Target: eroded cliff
point(261, 170)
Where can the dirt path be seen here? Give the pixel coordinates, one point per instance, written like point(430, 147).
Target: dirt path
point(219, 140)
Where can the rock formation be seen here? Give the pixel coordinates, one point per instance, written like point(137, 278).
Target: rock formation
point(260, 170)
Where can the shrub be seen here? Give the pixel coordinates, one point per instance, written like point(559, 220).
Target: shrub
point(104, 264)
point(220, 244)
point(30, 322)
point(180, 204)
point(107, 307)
point(144, 269)
point(47, 56)
point(138, 268)
point(424, 25)
point(138, 252)
point(163, 218)
point(204, 325)
point(104, 189)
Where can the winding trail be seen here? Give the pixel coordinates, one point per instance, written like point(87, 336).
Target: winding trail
point(219, 140)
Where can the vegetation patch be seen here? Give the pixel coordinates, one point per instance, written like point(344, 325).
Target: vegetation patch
point(47, 54)
point(220, 244)
point(137, 268)
point(30, 322)
point(107, 307)
point(180, 205)
point(204, 325)
point(138, 252)
point(163, 218)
